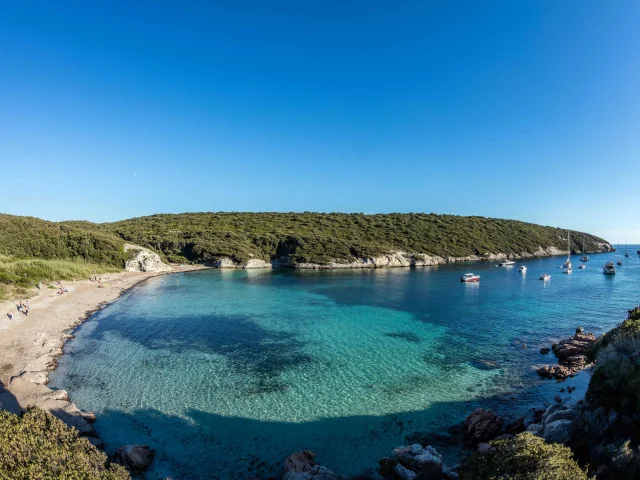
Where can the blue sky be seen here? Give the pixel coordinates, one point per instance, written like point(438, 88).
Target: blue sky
point(527, 110)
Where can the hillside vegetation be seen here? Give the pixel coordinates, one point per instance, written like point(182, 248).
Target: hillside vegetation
point(320, 238)
point(36, 445)
point(297, 237)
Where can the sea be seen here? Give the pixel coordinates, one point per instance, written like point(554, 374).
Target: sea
point(227, 372)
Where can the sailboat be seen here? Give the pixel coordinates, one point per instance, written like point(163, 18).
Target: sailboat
point(567, 264)
point(626, 248)
point(619, 262)
point(584, 257)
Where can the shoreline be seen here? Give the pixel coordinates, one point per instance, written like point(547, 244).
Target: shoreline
point(30, 345)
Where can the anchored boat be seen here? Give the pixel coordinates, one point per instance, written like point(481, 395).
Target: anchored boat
point(469, 278)
point(609, 269)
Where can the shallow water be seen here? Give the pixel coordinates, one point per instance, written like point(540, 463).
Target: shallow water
point(226, 373)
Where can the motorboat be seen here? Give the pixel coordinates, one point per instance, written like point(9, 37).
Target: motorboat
point(638, 252)
point(545, 277)
point(522, 269)
point(507, 263)
point(609, 269)
point(470, 277)
point(619, 262)
point(567, 269)
point(582, 266)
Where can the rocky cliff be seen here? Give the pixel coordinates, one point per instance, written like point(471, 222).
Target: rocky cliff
point(143, 260)
point(393, 260)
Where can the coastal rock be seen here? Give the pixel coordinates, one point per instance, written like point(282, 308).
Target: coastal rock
point(144, 260)
point(515, 427)
point(573, 346)
point(415, 461)
point(558, 431)
point(136, 458)
point(571, 353)
point(303, 461)
point(481, 426)
point(224, 263)
point(256, 263)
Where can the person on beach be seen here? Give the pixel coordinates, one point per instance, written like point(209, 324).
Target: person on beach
point(20, 305)
point(26, 312)
point(10, 315)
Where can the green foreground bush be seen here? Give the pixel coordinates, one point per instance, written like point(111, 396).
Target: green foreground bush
point(36, 445)
point(523, 457)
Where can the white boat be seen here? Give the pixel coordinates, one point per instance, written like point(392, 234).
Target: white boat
point(507, 263)
point(584, 258)
point(609, 269)
point(470, 277)
point(522, 269)
point(582, 266)
point(567, 265)
point(545, 277)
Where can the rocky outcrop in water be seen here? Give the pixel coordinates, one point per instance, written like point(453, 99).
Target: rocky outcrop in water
point(144, 260)
point(413, 462)
point(136, 458)
point(571, 353)
point(302, 466)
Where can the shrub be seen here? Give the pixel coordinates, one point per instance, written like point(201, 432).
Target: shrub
point(523, 457)
point(36, 445)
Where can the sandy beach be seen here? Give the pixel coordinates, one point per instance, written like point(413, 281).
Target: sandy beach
point(29, 345)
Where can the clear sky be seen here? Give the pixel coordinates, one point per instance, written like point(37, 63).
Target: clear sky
point(525, 109)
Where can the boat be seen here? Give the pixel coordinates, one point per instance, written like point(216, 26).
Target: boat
point(619, 262)
point(582, 266)
point(545, 276)
point(626, 251)
point(584, 258)
point(638, 252)
point(470, 277)
point(522, 269)
point(609, 269)
point(507, 263)
point(567, 265)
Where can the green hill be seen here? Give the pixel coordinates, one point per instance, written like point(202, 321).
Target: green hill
point(299, 237)
point(319, 237)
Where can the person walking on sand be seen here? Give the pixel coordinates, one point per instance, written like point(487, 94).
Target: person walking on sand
point(10, 315)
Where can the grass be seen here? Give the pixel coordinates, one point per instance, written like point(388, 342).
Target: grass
point(18, 276)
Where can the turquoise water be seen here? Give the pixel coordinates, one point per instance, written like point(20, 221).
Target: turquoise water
point(226, 373)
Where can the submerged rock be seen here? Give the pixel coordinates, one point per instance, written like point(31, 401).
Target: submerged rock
point(415, 462)
point(136, 458)
point(302, 461)
point(481, 426)
point(302, 466)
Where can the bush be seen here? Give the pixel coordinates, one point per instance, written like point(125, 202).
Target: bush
point(36, 445)
point(615, 383)
point(523, 457)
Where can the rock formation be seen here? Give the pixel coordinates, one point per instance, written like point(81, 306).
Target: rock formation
point(302, 466)
point(415, 461)
point(136, 458)
point(144, 260)
point(571, 353)
point(481, 426)
point(556, 425)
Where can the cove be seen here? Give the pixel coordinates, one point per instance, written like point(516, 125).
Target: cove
point(227, 372)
